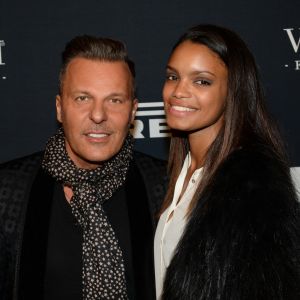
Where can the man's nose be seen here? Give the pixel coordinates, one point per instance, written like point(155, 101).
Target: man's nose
point(98, 111)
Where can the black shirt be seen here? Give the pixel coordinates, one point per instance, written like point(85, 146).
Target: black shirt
point(63, 269)
point(51, 264)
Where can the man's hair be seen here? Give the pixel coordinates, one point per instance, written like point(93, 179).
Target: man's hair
point(95, 48)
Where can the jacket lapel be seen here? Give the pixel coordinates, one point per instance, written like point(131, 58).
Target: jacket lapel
point(142, 232)
point(32, 253)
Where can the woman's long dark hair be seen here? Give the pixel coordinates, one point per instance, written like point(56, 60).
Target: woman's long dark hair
point(245, 115)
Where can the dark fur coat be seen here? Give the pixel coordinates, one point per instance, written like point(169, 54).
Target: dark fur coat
point(242, 241)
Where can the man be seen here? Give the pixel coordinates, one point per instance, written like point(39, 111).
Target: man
point(78, 219)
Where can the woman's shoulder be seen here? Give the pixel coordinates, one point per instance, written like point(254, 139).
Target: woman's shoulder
point(254, 185)
point(255, 166)
point(254, 158)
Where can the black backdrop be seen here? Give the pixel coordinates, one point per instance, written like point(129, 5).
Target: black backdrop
point(33, 34)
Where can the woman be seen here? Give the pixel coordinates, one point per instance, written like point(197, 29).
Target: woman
point(229, 227)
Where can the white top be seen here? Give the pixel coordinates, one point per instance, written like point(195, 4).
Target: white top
point(169, 231)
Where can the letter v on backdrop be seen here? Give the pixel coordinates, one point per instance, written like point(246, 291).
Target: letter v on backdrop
point(295, 44)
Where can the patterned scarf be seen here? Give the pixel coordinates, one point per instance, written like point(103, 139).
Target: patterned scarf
point(103, 266)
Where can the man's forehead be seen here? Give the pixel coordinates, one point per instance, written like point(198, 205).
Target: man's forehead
point(88, 67)
point(82, 62)
point(82, 73)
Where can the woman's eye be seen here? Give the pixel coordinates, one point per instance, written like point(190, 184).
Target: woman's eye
point(203, 82)
point(171, 77)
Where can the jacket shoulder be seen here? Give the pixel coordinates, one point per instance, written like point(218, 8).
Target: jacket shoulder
point(154, 174)
point(152, 169)
point(145, 161)
point(16, 177)
point(23, 164)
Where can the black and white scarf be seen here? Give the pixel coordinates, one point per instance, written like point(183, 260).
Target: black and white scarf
point(103, 266)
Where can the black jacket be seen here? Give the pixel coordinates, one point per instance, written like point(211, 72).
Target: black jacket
point(26, 192)
point(242, 241)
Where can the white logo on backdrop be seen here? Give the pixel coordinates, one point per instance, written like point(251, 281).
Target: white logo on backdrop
point(294, 39)
point(150, 121)
point(2, 63)
point(295, 172)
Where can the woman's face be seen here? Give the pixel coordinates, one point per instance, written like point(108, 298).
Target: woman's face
point(195, 90)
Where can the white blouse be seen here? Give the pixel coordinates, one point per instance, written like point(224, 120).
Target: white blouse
point(169, 230)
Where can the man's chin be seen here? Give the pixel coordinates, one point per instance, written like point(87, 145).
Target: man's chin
point(96, 160)
point(90, 156)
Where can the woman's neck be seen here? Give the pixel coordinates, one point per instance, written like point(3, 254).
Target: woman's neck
point(199, 143)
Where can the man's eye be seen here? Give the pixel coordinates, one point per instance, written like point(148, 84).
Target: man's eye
point(82, 98)
point(116, 100)
point(171, 77)
point(203, 82)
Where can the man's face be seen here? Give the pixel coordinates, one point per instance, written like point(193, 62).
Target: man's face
point(95, 108)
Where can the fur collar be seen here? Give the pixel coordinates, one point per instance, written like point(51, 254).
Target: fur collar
point(242, 240)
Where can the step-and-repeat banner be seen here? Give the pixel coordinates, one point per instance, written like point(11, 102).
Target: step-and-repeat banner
point(33, 34)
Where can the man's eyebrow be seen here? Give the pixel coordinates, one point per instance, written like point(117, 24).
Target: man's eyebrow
point(117, 94)
point(81, 92)
point(110, 95)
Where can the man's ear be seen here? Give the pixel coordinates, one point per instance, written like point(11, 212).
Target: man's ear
point(58, 108)
point(134, 109)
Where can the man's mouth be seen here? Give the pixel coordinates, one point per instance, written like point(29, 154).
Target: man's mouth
point(97, 135)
